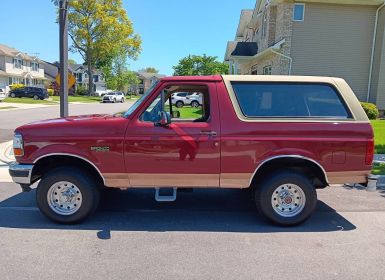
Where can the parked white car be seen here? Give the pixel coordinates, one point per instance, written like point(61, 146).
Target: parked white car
point(180, 99)
point(116, 96)
point(2, 94)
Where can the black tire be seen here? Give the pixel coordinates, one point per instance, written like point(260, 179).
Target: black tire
point(13, 95)
point(179, 104)
point(84, 181)
point(122, 100)
point(114, 101)
point(194, 104)
point(264, 196)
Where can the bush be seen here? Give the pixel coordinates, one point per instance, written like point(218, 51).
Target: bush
point(80, 90)
point(16, 86)
point(371, 110)
point(50, 91)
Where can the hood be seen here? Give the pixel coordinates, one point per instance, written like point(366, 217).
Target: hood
point(82, 126)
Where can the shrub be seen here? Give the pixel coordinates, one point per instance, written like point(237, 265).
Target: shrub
point(371, 110)
point(80, 90)
point(16, 86)
point(50, 91)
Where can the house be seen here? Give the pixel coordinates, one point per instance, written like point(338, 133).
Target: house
point(146, 80)
point(17, 67)
point(343, 38)
point(80, 72)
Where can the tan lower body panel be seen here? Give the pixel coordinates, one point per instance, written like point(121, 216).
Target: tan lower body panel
point(343, 177)
point(142, 180)
point(235, 180)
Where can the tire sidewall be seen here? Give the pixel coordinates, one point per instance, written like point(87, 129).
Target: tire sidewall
point(196, 103)
point(265, 191)
point(179, 104)
point(86, 184)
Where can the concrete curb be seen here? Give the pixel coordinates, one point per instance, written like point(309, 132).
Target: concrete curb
point(6, 152)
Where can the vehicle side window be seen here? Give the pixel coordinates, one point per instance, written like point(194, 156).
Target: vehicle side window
point(292, 100)
point(188, 109)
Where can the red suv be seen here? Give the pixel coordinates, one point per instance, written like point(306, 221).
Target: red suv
point(281, 137)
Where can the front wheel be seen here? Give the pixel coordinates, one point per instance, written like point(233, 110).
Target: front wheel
point(13, 95)
point(67, 196)
point(122, 100)
point(36, 97)
point(286, 198)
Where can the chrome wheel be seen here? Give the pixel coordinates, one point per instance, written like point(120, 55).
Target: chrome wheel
point(288, 200)
point(64, 198)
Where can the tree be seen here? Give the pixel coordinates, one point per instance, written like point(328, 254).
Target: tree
point(149, 70)
point(72, 61)
point(118, 76)
point(100, 30)
point(196, 65)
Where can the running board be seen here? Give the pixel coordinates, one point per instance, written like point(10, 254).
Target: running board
point(165, 198)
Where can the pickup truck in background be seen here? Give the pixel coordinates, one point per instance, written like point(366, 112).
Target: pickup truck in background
point(282, 137)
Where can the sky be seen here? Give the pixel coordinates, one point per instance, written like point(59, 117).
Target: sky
point(170, 29)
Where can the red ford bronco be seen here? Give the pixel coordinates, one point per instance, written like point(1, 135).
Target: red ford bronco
point(281, 137)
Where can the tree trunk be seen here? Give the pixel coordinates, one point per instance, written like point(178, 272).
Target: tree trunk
point(90, 76)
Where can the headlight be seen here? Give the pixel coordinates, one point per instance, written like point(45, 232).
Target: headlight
point(18, 149)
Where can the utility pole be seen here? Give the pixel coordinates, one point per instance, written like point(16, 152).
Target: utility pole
point(63, 34)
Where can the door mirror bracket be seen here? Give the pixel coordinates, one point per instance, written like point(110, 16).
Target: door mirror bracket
point(165, 119)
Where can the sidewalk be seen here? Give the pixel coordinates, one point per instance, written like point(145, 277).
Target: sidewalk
point(18, 106)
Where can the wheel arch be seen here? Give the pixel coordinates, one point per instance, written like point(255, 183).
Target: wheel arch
point(49, 161)
point(311, 167)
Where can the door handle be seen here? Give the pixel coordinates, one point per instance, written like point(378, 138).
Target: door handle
point(209, 133)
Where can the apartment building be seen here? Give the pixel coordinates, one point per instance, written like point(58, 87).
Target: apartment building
point(17, 67)
point(343, 38)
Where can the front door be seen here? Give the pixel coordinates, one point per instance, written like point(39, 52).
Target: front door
point(184, 154)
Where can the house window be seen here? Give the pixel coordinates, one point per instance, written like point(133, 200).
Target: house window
point(96, 78)
point(17, 63)
point(267, 70)
point(299, 12)
point(15, 80)
point(34, 66)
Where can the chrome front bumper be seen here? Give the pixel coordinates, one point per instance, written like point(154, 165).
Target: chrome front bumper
point(21, 173)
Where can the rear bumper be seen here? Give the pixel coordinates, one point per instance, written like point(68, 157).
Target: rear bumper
point(21, 173)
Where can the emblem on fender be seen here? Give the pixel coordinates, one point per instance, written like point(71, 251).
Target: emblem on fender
point(100, 149)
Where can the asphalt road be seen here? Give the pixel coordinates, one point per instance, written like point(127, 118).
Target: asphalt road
point(205, 234)
point(9, 120)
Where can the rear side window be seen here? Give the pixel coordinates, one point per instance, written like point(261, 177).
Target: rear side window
point(292, 100)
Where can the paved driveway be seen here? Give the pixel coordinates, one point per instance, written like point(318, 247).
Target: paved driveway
point(206, 234)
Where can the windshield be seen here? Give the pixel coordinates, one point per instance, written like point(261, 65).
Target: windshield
point(140, 101)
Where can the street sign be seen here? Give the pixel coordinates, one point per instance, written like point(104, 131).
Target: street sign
point(71, 79)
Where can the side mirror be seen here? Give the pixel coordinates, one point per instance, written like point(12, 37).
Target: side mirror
point(164, 119)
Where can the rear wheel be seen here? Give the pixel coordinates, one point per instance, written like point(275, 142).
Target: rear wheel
point(286, 198)
point(122, 100)
point(67, 196)
point(13, 95)
point(195, 104)
point(36, 97)
point(179, 104)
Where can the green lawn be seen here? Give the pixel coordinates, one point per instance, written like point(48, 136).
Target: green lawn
point(189, 112)
point(378, 169)
point(379, 135)
point(25, 100)
point(78, 98)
